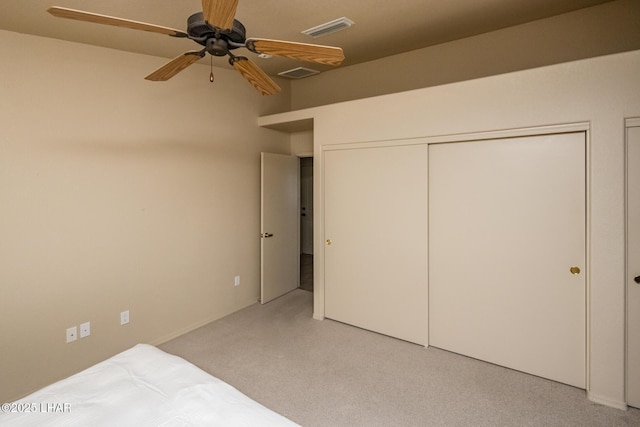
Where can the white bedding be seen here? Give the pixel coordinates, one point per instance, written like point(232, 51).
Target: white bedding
point(142, 386)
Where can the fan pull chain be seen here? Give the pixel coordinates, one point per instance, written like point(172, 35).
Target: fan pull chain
point(211, 74)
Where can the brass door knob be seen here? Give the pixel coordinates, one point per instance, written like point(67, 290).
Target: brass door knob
point(575, 270)
point(328, 241)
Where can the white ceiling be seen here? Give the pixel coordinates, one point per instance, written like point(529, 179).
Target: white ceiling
point(382, 27)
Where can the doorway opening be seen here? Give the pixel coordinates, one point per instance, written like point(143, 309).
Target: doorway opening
point(306, 223)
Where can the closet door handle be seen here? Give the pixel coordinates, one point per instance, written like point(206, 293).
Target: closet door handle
point(637, 279)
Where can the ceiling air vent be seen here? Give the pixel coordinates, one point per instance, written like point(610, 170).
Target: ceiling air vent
point(298, 73)
point(329, 27)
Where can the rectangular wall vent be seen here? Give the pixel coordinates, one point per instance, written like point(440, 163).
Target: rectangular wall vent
point(298, 73)
point(329, 27)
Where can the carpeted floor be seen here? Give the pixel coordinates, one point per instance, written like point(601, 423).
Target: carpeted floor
point(325, 373)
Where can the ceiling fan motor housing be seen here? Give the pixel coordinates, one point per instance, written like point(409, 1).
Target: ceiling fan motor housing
point(200, 31)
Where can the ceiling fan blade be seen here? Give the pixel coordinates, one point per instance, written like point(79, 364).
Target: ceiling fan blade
point(255, 75)
point(303, 51)
point(174, 66)
point(62, 12)
point(220, 13)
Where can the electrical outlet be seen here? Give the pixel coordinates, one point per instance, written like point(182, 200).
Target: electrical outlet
point(85, 329)
point(236, 281)
point(72, 334)
point(124, 317)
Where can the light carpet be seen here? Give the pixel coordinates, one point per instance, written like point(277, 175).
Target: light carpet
point(325, 373)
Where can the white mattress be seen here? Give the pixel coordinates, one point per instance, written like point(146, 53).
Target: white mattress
point(142, 386)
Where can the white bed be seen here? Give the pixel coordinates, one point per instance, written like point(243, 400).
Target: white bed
point(142, 386)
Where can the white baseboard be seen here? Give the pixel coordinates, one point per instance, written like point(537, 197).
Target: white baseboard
point(607, 402)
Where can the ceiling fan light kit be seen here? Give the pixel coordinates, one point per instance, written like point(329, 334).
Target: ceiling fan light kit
point(217, 30)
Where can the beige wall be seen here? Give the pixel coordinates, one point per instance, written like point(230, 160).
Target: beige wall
point(599, 30)
point(117, 193)
point(302, 143)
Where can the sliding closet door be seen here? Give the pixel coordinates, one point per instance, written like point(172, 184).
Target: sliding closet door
point(375, 202)
point(507, 253)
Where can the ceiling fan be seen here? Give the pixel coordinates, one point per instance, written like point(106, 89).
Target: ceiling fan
point(220, 33)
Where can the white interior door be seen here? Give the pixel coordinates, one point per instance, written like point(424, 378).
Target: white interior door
point(279, 210)
point(633, 266)
point(506, 226)
point(375, 206)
